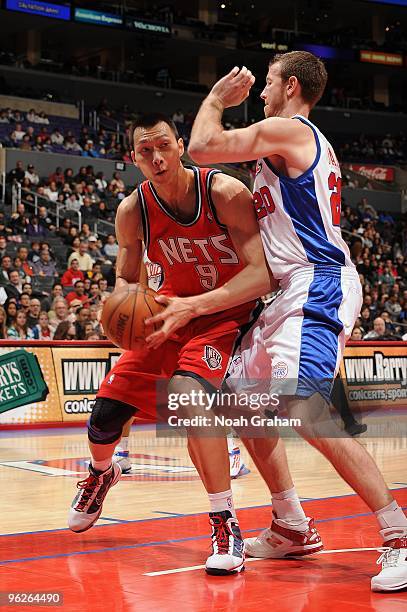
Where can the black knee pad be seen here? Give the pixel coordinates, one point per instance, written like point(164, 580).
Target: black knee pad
point(107, 419)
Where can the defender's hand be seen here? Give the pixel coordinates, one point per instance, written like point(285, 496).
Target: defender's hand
point(178, 313)
point(234, 88)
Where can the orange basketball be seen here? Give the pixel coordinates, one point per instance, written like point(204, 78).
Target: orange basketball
point(124, 313)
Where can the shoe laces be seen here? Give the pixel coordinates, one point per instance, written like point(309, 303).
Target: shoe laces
point(87, 485)
point(389, 557)
point(220, 535)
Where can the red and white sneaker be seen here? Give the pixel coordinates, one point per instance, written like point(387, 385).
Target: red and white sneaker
point(278, 542)
point(394, 567)
point(227, 545)
point(87, 505)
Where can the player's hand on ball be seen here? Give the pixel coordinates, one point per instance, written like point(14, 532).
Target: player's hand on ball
point(178, 312)
point(234, 88)
point(124, 314)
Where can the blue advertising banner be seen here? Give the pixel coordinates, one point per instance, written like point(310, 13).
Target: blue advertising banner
point(326, 52)
point(398, 2)
point(97, 18)
point(43, 9)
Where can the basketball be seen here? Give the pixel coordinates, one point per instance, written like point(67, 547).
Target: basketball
point(124, 314)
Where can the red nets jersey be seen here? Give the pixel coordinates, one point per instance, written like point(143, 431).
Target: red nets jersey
point(194, 256)
point(183, 259)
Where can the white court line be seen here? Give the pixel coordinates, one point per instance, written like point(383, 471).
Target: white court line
point(345, 550)
point(38, 467)
point(192, 568)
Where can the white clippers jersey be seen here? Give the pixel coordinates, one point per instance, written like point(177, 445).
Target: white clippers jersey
point(299, 218)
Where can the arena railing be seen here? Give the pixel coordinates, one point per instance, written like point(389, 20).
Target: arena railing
point(3, 187)
point(37, 200)
point(54, 208)
point(15, 196)
point(63, 207)
point(103, 228)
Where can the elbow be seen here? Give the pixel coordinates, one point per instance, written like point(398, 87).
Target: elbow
point(198, 152)
point(206, 150)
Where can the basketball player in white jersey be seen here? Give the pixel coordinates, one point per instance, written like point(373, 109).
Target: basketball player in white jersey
point(300, 337)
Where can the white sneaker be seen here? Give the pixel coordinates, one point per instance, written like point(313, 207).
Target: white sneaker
point(236, 465)
point(227, 545)
point(87, 505)
point(278, 542)
point(235, 461)
point(394, 567)
point(122, 459)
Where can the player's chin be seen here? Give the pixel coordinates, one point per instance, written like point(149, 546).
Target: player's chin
point(267, 112)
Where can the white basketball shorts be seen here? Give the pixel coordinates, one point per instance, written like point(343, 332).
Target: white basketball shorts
point(297, 343)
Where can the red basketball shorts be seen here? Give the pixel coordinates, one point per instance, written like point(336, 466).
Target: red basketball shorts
point(204, 348)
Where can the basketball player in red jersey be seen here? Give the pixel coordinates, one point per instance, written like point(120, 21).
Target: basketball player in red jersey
point(151, 274)
point(199, 225)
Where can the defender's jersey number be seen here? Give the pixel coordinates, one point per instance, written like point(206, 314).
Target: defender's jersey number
point(263, 202)
point(335, 185)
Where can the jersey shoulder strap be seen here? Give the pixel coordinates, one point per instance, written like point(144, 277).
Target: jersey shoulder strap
point(206, 178)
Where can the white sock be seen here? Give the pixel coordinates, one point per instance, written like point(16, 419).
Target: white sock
point(392, 521)
point(123, 445)
point(287, 507)
point(102, 466)
point(222, 501)
point(232, 443)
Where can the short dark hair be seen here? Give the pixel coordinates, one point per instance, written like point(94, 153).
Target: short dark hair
point(149, 120)
point(309, 70)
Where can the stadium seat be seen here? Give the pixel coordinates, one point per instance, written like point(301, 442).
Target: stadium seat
point(42, 284)
point(11, 249)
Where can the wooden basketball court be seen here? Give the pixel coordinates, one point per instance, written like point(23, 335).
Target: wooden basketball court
point(148, 550)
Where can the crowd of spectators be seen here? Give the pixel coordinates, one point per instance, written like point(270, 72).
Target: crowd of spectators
point(389, 149)
point(84, 271)
point(54, 280)
point(92, 194)
point(378, 248)
point(68, 307)
point(32, 132)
